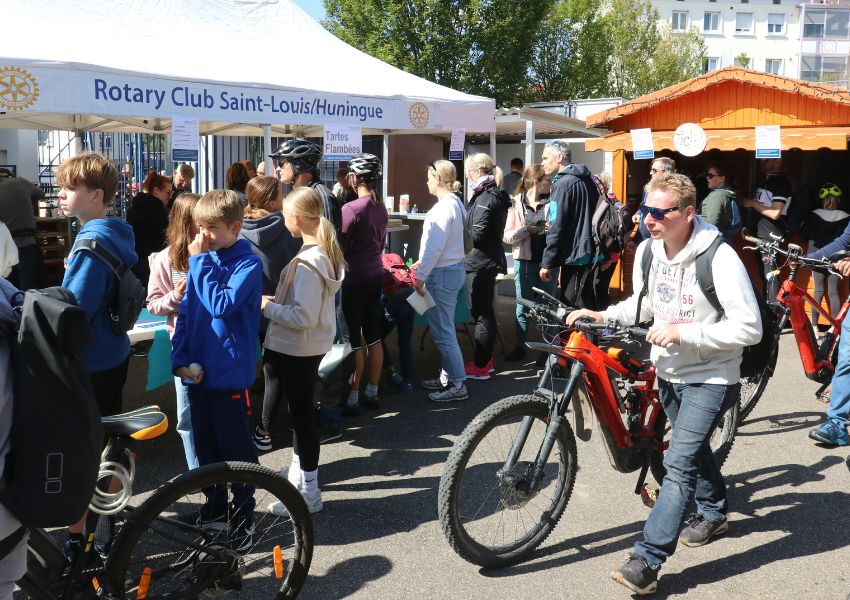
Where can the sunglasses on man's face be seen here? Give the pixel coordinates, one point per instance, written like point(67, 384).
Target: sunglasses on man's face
point(658, 214)
point(829, 191)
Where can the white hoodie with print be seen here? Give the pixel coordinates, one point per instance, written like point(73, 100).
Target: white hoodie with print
point(710, 350)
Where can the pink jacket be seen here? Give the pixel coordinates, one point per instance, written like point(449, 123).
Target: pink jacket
point(163, 301)
point(515, 232)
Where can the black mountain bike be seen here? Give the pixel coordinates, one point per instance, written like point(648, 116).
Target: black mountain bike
point(167, 546)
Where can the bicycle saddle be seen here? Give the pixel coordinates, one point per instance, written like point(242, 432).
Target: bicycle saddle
point(141, 424)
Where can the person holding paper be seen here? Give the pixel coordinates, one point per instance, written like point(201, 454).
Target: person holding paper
point(441, 271)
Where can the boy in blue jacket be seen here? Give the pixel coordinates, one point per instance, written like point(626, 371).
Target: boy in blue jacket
point(217, 330)
point(89, 182)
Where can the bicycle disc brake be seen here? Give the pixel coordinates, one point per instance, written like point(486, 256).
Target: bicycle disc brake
point(514, 491)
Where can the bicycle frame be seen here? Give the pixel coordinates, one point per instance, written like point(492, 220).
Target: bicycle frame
point(592, 367)
point(817, 363)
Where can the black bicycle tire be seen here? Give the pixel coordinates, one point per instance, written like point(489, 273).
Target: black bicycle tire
point(474, 433)
point(749, 403)
point(656, 459)
point(218, 473)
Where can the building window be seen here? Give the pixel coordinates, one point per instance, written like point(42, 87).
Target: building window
point(814, 24)
point(827, 69)
point(837, 24)
point(777, 2)
point(775, 24)
point(710, 64)
point(744, 22)
point(680, 20)
point(711, 22)
point(773, 65)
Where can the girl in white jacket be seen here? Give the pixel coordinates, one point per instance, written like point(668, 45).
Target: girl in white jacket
point(301, 330)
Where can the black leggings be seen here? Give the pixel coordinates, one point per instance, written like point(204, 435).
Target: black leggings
point(363, 311)
point(108, 386)
point(295, 378)
point(481, 287)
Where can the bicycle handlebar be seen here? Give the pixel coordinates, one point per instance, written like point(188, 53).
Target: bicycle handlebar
point(793, 253)
point(558, 316)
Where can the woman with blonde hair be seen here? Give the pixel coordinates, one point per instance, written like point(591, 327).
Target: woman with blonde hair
point(275, 246)
point(525, 231)
point(302, 327)
point(440, 269)
point(488, 213)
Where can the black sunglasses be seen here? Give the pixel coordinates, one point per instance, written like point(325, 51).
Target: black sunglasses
point(659, 213)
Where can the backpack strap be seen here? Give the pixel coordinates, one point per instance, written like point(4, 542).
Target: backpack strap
point(645, 266)
point(10, 542)
point(705, 278)
point(100, 251)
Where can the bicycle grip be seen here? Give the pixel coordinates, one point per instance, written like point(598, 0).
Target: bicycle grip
point(752, 239)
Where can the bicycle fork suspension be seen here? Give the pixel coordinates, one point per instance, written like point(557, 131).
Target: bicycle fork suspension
point(557, 410)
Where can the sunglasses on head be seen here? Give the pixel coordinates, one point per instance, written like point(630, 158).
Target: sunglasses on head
point(830, 190)
point(658, 214)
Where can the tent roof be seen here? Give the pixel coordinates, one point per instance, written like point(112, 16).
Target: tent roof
point(123, 64)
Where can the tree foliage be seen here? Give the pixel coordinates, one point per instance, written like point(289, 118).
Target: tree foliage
point(515, 52)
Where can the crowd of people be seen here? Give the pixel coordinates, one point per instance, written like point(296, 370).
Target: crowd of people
point(249, 267)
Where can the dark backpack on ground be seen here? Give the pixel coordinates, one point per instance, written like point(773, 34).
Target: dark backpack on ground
point(56, 436)
point(756, 357)
point(610, 226)
point(129, 296)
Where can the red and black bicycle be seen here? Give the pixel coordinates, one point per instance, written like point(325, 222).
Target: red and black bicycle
point(510, 475)
point(791, 306)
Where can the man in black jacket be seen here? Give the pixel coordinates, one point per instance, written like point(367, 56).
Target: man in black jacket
point(569, 240)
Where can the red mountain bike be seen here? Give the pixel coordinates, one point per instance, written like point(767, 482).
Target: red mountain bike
point(509, 476)
point(790, 306)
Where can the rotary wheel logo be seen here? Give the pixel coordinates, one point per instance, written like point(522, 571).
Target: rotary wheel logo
point(419, 115)
point(18, 88)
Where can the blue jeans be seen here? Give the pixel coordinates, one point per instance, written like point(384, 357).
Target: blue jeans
point(839, 403)
point(184, 423)
point(693, 411)
point(443, 284)
point(527, 276)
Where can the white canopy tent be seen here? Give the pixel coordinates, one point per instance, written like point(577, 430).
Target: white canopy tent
point(236, 65)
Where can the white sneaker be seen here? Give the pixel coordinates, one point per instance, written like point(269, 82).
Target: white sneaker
point(314, 505)
point(285, 474)
point(450, 393)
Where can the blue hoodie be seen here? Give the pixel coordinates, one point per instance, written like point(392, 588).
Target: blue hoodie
point(92, 282)
point(218, 325)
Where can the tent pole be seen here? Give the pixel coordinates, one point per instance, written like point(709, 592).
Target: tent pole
point(529, 142)
point(493, 147)
point(267, 149)
point(386, 182)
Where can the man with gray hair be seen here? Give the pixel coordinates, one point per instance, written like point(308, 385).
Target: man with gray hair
point(569, 240)
point(662, 164)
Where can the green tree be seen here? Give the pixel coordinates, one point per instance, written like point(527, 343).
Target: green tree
point(742, 60)
point(678, 56)
point(477, 46)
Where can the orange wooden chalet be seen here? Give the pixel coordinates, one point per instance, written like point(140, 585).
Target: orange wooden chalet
point(728, 104)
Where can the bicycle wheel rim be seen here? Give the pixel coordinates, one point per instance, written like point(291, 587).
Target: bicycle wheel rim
point(493, 516)
point(161, 552)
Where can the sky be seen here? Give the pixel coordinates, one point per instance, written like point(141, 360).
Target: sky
point(314, 8)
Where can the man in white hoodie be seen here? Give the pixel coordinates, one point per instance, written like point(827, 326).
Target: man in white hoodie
point(697, 354)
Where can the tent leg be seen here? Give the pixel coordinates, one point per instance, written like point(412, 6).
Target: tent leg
point(530, 134)
point(493, 147)
point(386, 157)
point(267, 149)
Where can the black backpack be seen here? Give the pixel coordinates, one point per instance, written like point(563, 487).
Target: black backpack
point(609, 226)
point(756, 357)
point(56, 436)
point(130, 295)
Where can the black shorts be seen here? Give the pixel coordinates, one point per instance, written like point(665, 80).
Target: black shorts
point(362, 309)
point(109, 388)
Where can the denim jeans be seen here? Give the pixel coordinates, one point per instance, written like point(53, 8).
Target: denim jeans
point(443, 283)
point(527, 276)
point(693, 411)
point(839, 403)
point(184, 423)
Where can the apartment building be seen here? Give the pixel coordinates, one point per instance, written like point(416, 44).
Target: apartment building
point(807, 39)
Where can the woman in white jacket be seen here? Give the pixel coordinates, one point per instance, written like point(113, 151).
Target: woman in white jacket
point(440, 269)
point(697, 354)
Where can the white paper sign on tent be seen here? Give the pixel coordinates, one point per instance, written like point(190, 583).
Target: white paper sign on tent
point(768, 141)
point(185, 139)
point(342, 142)
point(642, 145)
point(457, 144)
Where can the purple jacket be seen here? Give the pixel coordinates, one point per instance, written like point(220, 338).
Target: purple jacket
point(364, 229)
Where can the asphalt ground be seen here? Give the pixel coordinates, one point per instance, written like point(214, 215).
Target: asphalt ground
point(379, 536)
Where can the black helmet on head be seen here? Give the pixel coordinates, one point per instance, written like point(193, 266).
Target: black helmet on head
point(296, 149)
point(368, 167)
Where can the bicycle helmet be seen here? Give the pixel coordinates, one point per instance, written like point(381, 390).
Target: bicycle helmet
point(829, 189)
point(298, 150)
point(368, 167)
